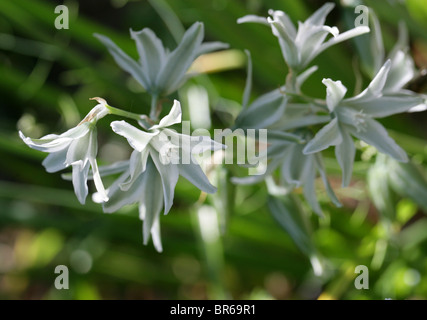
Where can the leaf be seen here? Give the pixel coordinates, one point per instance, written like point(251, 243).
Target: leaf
point(288, 213)
point(408, 180)
point(248, 85)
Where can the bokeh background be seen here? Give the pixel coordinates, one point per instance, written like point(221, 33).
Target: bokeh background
point(223, 247)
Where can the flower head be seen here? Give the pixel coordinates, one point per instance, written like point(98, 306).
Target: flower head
point(160, 156)
point(355, 117)
point(300, 47)
point(159, 71)
point(76, 147)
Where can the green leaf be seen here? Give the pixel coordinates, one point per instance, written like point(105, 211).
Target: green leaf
point(289, 214)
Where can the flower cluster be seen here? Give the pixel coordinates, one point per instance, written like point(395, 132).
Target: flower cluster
point(291, 116)
point(160, 154)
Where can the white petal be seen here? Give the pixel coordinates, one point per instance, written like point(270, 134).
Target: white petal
point(137, 165)
point(179, 60)
point(376, 135)
point(207, 47)
point(345, 153)
point(388, 105)
point(80, 174)
point(80, 150)
point(138, 139)
point(335, 92)
point(151, 53)
point(328, 136)
point(358, 31)
point(319, 16)
point(174, 116)
point(124, 61)
point(253, 19)
point(151, 204)
point(287, 44)
point(193, 173)
point(169, 174)
point(376, 86)
point(97, 180)
point(51, 144)
point(55, 161)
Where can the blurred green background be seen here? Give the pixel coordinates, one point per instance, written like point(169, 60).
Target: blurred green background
point(223, 247)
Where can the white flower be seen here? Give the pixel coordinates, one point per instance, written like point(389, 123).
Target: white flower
point(300, 47)
point(355, 117)
point(160, 156)
point(76, 147)
point(159, 71)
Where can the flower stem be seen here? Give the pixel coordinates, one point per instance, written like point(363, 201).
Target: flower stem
point(126, 114)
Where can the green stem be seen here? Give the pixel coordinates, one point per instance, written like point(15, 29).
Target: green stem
point(153, 110)
point(126, 114)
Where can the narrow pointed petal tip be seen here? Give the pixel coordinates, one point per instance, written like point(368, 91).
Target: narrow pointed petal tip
point(335, 92)
point(174, 116)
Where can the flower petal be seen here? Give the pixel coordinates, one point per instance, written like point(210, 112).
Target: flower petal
point(194, 174)
point(250, 18)
point(376, 135)
point(389, 105)
point(287, 44)
point(179, 60)
point(124, 61)
point(80, 174)
point(207, 47)
point(55, 161)
point(319, 16)
point(151, 204)
point(335, 92)
point(81, 149)
point(345, 153)
point(263, 112)
point(137, 165)
point(169, 174)
point(152, 54)
point(97, 180)
point(138, 139)
point(328, 136)
point(342, 37)
point(375, 88)
point(174, 116)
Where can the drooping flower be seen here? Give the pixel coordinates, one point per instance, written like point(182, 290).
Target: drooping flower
point(159, 71)
point(76, 147)
point(160, 156)
point(355, 117)
point(300, 47)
